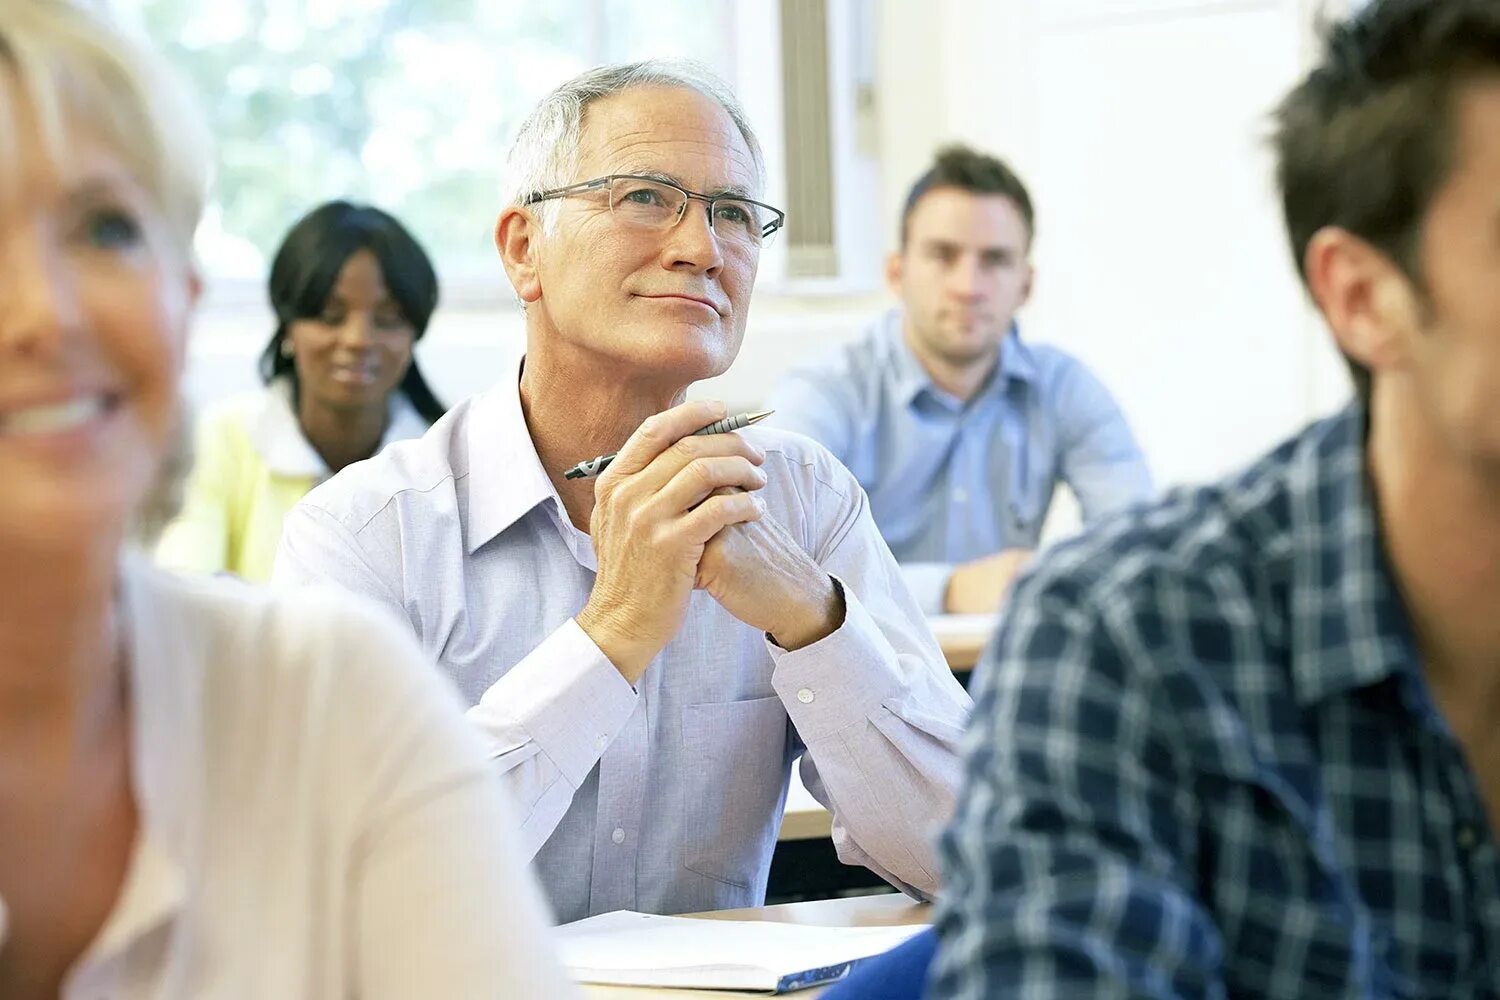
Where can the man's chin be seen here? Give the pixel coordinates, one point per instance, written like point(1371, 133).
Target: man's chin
point(967, 355)
point(688, 355)
point(689, 368)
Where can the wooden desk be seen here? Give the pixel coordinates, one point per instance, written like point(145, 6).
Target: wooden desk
point(962, 638)
point(861, 911)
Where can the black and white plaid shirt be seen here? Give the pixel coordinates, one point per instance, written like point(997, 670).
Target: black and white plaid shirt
point(1205, 763)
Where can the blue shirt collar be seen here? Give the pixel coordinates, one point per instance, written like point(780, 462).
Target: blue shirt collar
point(1350, 627)
point(1017, 364)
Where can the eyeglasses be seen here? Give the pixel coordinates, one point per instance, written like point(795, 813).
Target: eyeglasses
point(652, 203)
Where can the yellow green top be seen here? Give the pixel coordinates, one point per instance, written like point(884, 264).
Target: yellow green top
point(252, 465)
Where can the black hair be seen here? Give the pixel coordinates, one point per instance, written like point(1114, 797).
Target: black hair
point(1368, 139)
point(958, 166)
point(307, 267)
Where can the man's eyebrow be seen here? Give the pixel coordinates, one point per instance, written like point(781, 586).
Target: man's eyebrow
point(730, 191)
point(992, 250)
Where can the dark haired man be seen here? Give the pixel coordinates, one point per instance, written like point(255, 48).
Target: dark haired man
point(1247, 742)
point(957, 429)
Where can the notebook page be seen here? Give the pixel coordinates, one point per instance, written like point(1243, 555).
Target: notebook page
point(636, 949)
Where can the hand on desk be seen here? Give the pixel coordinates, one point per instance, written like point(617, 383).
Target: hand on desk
point(979, 587)
point(655, 510)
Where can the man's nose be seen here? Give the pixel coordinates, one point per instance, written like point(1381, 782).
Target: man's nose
point(692, 243)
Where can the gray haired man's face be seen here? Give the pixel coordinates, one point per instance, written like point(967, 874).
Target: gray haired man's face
point(667, 304)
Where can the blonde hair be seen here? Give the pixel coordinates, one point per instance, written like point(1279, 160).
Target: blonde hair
point(73, 67)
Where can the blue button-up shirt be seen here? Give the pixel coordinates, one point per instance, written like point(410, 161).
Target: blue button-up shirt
point(951, 481)
point(1205, 763)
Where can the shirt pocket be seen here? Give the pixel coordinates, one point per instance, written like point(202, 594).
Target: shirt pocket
point(734, 754)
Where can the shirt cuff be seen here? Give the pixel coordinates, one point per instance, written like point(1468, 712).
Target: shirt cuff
point(928, 583)
point(569, 697)
point(840, 680)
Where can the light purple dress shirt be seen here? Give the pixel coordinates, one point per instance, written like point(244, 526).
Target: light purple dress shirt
point(667, 797)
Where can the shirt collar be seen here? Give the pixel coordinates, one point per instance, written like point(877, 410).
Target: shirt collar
point(506, 478)
point(277, 434)
point(1350, 628)
point(1017, 364)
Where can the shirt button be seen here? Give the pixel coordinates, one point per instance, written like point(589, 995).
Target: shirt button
point(1467, 837)
point(602, 742)
point(960, 496)
point(618, 836)
point(805, 696)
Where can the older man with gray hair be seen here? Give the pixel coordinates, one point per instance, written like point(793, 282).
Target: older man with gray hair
point(647, 653)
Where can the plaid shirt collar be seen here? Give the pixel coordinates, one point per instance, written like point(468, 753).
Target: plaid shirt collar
point(1350, 628)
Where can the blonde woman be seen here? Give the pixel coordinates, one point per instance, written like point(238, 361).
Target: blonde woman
point(204, 791)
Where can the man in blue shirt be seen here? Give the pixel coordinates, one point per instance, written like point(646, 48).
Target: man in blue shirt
point(1247, 742)
point(958, 430)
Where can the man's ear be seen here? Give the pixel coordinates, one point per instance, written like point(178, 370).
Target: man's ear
point(1370, 304)
point(894, 270)
point(517, 232)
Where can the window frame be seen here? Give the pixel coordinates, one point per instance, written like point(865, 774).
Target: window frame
point(746, 28)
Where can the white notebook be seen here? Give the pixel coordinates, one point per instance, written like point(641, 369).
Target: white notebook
point(638, 949)
point(962, 626)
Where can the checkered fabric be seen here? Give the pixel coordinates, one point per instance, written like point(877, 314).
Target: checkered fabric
point(1204, 763)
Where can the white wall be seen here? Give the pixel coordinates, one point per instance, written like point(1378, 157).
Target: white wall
point(1139, 125)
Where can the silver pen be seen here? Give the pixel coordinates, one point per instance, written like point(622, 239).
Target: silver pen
point(594, 466)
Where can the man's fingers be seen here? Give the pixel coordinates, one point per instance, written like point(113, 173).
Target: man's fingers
point(718, 512)
point(666, 466)
point(701, 478)
point(659, 432)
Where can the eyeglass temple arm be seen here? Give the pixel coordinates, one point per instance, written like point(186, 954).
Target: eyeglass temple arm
point(563, 192)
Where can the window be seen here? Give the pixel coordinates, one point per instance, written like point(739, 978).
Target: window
point(407, 104)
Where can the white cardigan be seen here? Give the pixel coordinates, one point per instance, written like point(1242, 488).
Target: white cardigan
point(316, 819)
